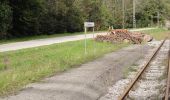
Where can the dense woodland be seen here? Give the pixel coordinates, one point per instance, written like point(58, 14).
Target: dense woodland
point(20, 18)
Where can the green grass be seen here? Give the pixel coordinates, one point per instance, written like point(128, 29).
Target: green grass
point(158, 34)
point(4, 41)
point(18, 68)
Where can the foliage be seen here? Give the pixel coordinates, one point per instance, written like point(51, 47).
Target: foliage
point(167, 8)
point(5, 17)
point(74, 17)
point(25, 17)
point(53, 18)
point(147, 14)
point(20, 18)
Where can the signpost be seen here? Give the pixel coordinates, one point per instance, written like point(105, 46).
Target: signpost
point(89, 24)
point(86, 26)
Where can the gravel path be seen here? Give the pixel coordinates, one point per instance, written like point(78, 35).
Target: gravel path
point(88, 82)
point(48, 41)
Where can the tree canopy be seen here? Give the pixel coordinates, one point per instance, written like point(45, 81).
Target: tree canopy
point(20, 18)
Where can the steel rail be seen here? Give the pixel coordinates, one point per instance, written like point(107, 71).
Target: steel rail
point(168, 80)
point(125, 93)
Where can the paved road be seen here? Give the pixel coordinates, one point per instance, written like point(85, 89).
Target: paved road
point(87, 82)
point(48, 41)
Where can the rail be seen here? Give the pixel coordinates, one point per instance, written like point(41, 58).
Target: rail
point(125, 93)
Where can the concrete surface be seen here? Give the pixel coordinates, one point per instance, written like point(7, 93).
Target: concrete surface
point(49, 41)
point(90, 81)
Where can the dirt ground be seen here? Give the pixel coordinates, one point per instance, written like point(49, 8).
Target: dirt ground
point(90, 81)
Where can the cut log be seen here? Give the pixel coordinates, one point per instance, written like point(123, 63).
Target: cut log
point(120, 35)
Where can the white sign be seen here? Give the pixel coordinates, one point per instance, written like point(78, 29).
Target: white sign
point(89, 24)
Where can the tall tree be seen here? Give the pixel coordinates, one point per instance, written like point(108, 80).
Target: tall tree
point(5, 18)
point(74, 17)
point(26, 16)
point(147, 12)
point(32, 17)
point(53, 19)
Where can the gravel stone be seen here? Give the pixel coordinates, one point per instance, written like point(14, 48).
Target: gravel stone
point(150, 86)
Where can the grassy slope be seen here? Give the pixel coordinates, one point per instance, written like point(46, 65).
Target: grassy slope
point(21, 67)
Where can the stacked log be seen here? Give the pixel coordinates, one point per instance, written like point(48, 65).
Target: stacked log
point(120, 35)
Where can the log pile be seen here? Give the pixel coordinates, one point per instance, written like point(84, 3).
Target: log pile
point(120, 35)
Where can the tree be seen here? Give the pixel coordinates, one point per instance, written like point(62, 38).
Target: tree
point(74, 17)
point(53, 19)
point(96, 11)
point(167, 8)
point(33, 17)
point(99, 14)
point(147, 14)
point(5, 18)
point(26, 15)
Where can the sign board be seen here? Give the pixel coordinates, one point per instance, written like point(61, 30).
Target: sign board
point(89, 24)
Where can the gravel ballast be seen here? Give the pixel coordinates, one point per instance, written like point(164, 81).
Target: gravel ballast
point(151, 85)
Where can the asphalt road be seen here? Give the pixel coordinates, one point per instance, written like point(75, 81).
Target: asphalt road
point(49, 41)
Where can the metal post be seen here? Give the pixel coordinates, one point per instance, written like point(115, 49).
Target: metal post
point(86, 26)
point(94, 42)
point(134, 13)
point(85, 43)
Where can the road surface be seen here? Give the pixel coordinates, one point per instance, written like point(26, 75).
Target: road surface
point(49, 41)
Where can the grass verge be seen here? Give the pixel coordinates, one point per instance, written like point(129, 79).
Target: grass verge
point(158, 34)
point(18, 68)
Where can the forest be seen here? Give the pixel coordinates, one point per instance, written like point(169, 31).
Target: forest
point(21, 18)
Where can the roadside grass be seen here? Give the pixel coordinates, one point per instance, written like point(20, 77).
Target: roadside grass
point(159, 33)
point(21, 67)
point(4, 41)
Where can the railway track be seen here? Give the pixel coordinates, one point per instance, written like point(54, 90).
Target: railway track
point(149, 71)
